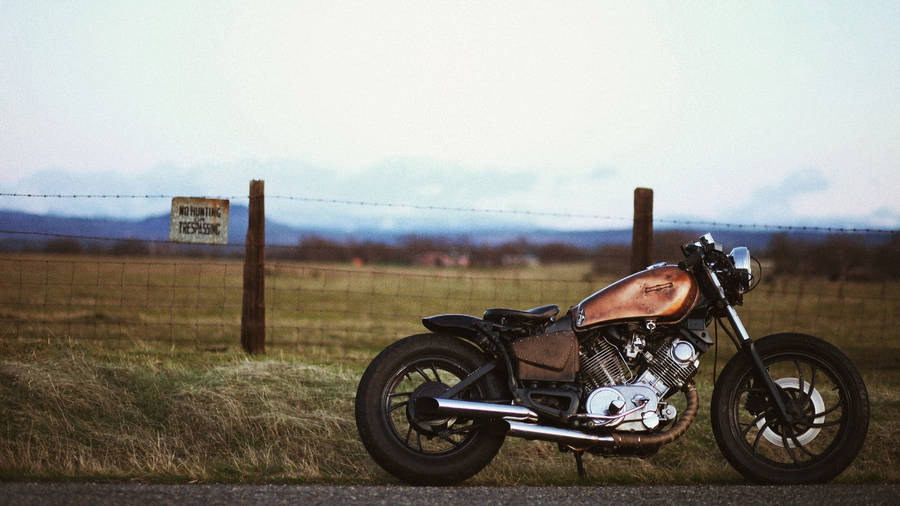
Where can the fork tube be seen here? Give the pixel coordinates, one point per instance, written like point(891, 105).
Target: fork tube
point(736, 324)
point(762, 372)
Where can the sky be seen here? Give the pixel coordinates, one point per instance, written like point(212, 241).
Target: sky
point(743, 112)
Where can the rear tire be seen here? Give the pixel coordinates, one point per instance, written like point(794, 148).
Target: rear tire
point(827, 399)
point(417, 449)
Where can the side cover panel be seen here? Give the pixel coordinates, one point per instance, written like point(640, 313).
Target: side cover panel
point(666, 294)
point(551, 357)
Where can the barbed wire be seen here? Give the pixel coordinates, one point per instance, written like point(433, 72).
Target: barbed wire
point(422, 207)
point(760, 226)
point(519, 212)
point(111, 196)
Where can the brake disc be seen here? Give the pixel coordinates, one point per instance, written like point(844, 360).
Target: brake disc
point(818, 407)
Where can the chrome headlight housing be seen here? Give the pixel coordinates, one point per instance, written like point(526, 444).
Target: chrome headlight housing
point(740, 257)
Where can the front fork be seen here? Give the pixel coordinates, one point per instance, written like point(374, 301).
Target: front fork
point(746, 346)
point(762, 372)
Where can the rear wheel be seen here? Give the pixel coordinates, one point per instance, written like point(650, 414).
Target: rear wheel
point(419, 449)
point(824, 395)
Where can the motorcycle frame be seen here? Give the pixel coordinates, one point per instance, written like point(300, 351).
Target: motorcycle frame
point(487, 335)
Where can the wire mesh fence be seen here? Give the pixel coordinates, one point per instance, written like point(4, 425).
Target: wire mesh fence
point(53, 296)
point(197, 301)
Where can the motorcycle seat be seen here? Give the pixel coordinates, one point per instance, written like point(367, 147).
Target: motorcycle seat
point(518, 317)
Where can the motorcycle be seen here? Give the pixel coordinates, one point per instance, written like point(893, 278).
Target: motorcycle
point(788, 408)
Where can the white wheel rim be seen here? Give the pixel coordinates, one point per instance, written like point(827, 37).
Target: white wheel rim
point(812, 432)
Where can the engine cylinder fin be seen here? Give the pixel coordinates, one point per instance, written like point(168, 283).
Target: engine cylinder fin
point(671, 372)
point(601, 365)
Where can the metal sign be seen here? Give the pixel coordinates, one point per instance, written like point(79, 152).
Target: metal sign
point(198, 220)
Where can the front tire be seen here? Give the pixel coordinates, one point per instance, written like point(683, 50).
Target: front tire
point(827, 400)
point(417, 449)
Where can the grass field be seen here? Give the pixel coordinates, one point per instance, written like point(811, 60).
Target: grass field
point(130, 369)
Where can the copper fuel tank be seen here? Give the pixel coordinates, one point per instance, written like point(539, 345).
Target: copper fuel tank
point(665, 294)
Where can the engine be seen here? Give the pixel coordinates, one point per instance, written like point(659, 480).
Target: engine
point(616, 396)
point(602, 364)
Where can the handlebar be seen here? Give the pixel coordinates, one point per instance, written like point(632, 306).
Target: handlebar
point(691, 259)
point(706, 260)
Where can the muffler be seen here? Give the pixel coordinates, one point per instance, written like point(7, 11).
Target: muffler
point(544, 433)
point(473, 409)
point(617, 440)
point(520, 422)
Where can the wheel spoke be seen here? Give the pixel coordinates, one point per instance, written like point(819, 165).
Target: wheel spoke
point(829, 410)
point(408, 433)
point(799, 374)
point(753, 423)
point(759, 434)
point(400, 394)
point(419, 440)
point(798, 445)
point(421, 372)
point(398, 405)
point(827, 424)
point(787, 447)
point(812, 381)
point(436, 375)
point(751, 390)
point(462, 430)
point(446, 437)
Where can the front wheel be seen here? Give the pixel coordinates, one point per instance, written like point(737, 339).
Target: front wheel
point(826, 400)
point(418, 449)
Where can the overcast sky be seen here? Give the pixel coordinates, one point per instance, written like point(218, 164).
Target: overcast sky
point(750, 112)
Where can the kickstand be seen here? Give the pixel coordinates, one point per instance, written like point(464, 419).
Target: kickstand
point(582, 474)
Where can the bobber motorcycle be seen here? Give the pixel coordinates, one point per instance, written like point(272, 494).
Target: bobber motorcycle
point(603, 378)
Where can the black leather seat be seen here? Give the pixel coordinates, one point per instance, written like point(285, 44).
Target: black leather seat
point(532, 316)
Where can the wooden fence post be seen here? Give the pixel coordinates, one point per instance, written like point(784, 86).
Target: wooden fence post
point(642, 230)
point(253, 314)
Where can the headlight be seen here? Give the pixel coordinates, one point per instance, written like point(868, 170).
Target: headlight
point(740, 257)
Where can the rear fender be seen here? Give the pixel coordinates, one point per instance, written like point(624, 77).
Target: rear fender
point(459, 325)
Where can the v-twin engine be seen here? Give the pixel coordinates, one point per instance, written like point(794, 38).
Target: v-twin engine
point(615, 397)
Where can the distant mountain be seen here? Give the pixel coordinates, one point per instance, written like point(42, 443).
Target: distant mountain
point(157, 228)
point(151, 228)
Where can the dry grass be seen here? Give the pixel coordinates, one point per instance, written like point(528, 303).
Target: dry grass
point(88, 395)
point(70, 414)
point(76, 412)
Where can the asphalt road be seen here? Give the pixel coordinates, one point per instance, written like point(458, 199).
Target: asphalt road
point(208, 495)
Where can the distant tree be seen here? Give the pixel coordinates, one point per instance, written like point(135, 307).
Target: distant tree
point(667, 244)
point(318, 249)
point(415, 246)
point(371, 252)
point(129, 247)
point(611, 259)
point(838, 256)
point(785, 253)
point(95, 248)
point(558, 252)
point(492, 256)
point(885, 258)
point(63, 245)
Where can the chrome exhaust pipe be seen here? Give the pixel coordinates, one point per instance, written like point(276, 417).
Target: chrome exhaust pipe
point(544, 433)
point(473, 409)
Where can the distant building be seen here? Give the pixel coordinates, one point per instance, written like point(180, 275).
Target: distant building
point(520, 261)
point(441, 259)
